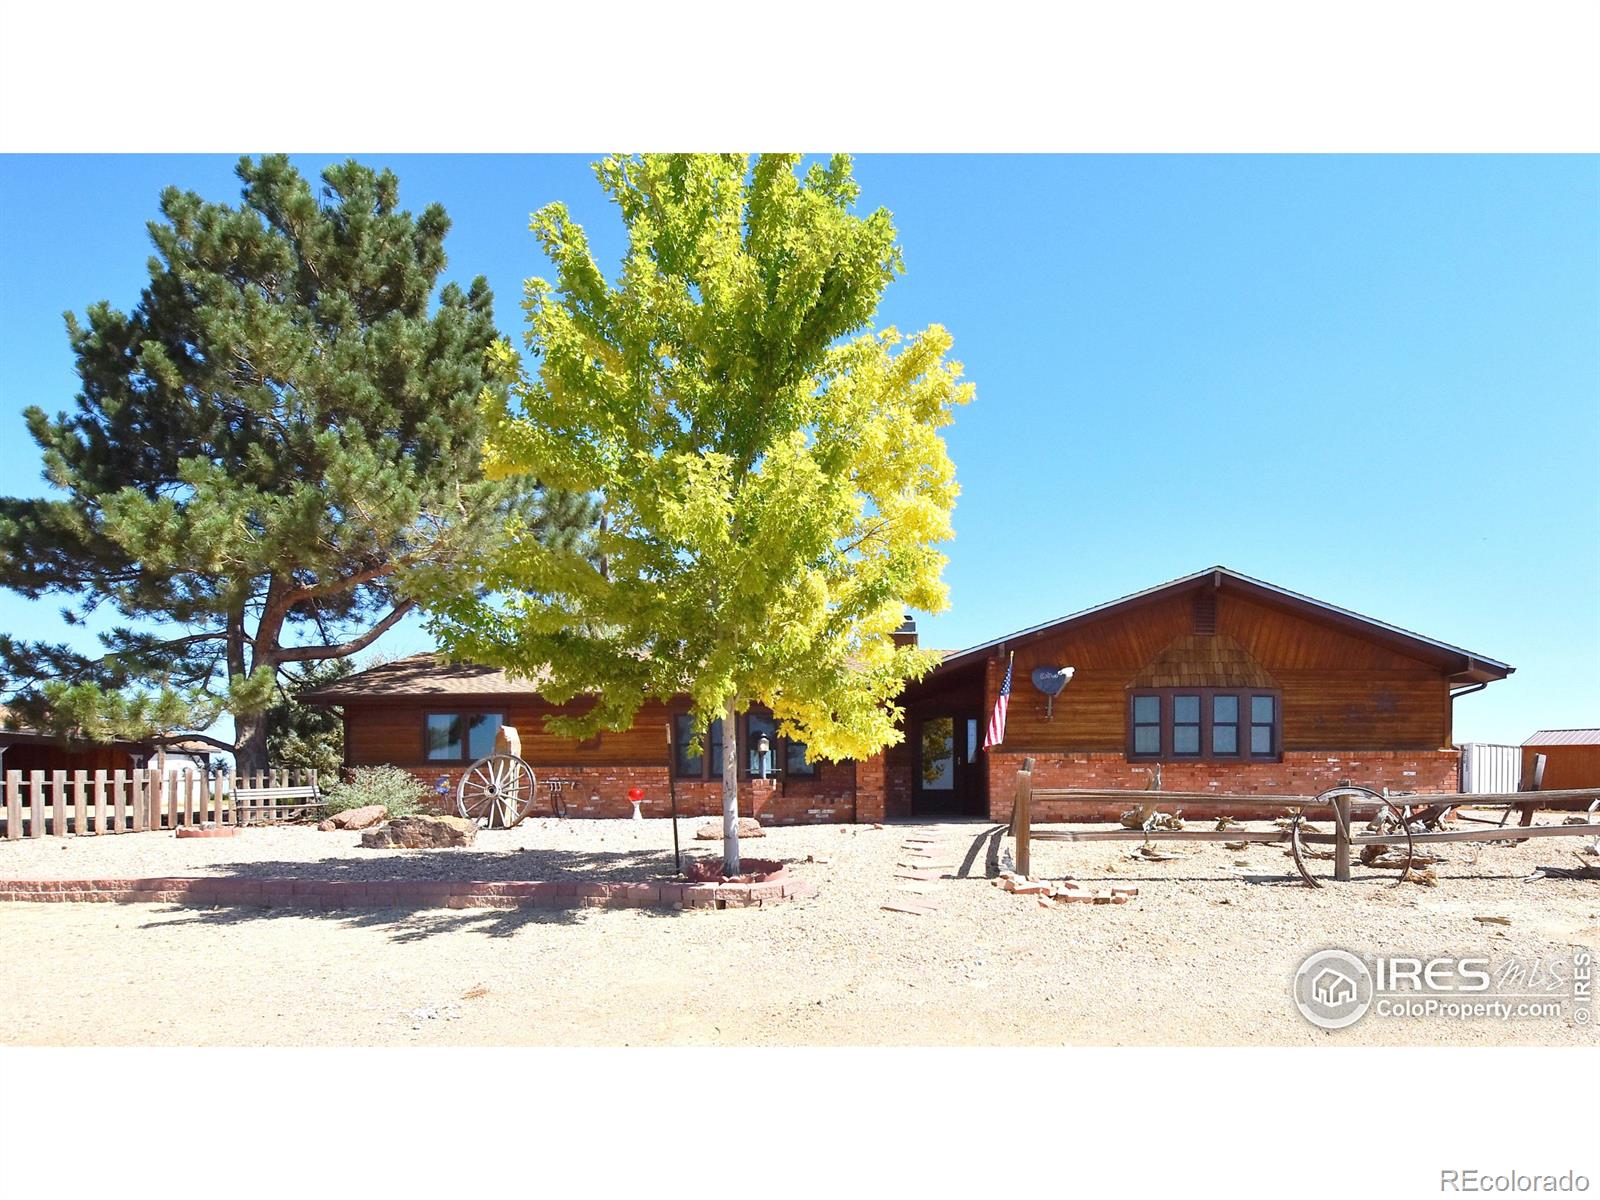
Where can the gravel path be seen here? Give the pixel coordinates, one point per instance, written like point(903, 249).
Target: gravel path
point(1203, 956)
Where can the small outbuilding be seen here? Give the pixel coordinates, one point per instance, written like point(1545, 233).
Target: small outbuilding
point(1571, 758)
point(27, 750)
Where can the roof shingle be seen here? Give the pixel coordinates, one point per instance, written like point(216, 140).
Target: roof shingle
point(425, 674)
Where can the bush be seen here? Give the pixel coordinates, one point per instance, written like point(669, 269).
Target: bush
point(397, 790)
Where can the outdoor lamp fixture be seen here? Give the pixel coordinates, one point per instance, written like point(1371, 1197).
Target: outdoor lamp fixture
point(763, 751)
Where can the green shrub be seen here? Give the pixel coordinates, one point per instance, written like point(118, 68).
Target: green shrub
point(397, 790)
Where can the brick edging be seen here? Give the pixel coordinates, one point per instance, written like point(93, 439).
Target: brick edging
point(405, 893)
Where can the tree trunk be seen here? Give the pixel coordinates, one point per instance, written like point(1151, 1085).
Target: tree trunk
point(730, 790)
point(250, 741)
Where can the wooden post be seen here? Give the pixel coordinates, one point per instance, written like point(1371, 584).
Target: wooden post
point(80, 803)
point(13, 805)
point(119, 800)
point(1341, 837)
point(35, 803)
point(1024, 818)
point(99, 801)
point(58, 803)
point(215, 782)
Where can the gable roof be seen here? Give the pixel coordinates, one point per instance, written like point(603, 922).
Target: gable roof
point(1463, 666)
point(1563, 737)
point(421, 675)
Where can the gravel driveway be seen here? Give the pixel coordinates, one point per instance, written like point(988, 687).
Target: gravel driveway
point(1203, 956)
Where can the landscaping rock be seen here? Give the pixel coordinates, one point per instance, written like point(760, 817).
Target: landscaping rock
point(711, 831)
point(421, 833)
point(355, 818)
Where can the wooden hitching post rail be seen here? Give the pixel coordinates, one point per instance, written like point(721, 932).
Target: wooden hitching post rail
point(1022, 818)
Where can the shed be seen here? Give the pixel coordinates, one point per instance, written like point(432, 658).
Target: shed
point(1571, 757)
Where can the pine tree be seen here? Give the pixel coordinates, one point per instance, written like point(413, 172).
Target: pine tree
point(306, 735)
point(268, 458)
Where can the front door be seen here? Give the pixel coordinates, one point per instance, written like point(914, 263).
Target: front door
point(947, 778)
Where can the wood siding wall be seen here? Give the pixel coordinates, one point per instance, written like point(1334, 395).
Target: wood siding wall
point(51, 756)
point(392, 731)
point(1565, 766)
point(1340, 692)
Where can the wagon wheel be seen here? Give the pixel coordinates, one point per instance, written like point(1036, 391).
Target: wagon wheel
point(1402, 820)
point(496, 791)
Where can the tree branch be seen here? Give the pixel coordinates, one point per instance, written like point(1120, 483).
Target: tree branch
point(172, 739)
point(345, 649)
point(342, 584)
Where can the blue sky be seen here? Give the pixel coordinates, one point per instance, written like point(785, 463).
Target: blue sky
point(1374, 380)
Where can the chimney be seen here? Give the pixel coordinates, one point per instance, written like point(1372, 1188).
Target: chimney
point(906, 635)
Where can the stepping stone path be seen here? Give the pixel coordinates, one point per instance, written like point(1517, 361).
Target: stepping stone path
point(913, 907)
point(918, 864)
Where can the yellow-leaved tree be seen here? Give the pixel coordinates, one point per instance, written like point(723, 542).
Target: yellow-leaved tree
point(770, 469)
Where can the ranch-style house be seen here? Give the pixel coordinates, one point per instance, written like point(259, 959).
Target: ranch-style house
point(1215, 681)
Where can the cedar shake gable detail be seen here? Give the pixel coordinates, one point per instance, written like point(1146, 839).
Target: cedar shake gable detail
point(1204, 661)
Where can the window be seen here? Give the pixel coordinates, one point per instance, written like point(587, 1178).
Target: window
point(1147, 725)
point(1225, 725)
point(706, 764)
point(460, 737)
point(1204, 724)
point(785, 756)
point(714, 750)
point(795, 759)
point(938, 754)
point(1185, 725)
point(1263, 724)
point(684, 763)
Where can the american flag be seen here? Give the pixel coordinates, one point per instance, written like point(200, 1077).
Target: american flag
point(997, 722)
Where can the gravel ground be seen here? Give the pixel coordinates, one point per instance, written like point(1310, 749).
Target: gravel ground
point(1203, 956)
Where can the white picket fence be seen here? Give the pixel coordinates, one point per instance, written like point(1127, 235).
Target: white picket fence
point(79, 803)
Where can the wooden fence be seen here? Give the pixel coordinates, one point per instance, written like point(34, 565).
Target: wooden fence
point(59, 803)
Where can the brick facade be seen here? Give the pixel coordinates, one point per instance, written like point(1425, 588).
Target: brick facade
point(603, 792)
point(1301, 773)
point(871, 788)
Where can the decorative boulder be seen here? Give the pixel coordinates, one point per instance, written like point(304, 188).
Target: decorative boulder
point(355, 818)
point(421, 833)
point(711, 831)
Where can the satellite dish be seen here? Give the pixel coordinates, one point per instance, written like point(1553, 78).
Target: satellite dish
point(1050, 681)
